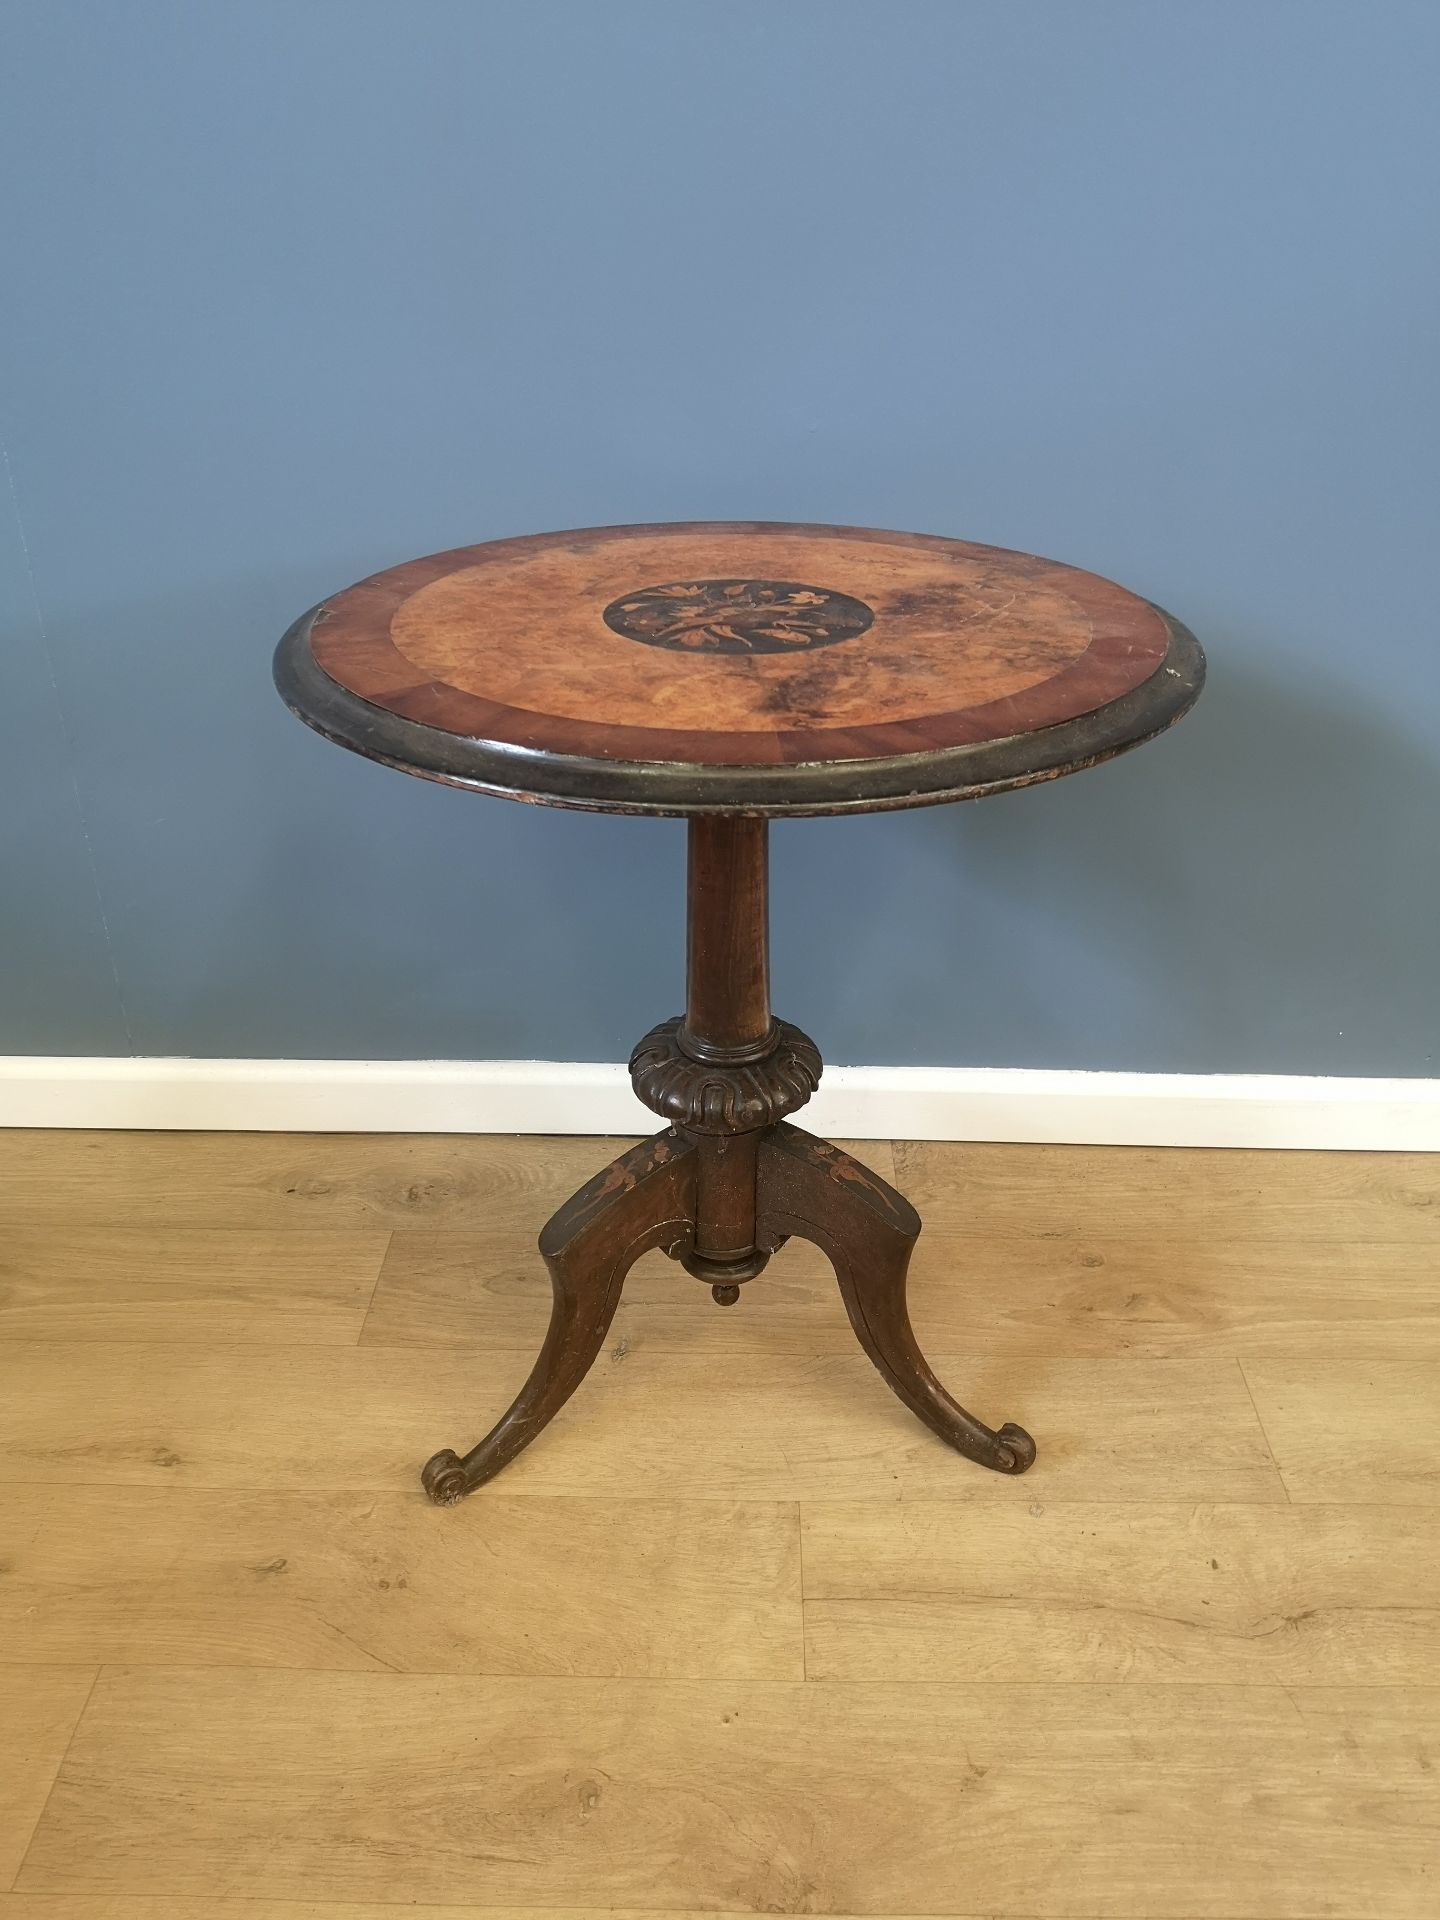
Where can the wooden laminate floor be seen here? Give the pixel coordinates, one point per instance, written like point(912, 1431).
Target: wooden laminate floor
point(737, 1634)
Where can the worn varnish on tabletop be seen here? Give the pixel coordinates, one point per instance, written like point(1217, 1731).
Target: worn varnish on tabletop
point(734, 665)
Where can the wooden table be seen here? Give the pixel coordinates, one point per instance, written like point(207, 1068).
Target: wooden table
point(727, 672)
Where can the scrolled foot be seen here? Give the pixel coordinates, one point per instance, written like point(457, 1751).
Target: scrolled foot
point(1016, 1450)
point(443, 1478)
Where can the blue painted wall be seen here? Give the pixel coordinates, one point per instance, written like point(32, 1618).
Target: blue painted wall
point(297, 288)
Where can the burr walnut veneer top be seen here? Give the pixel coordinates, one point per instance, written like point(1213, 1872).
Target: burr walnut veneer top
point(726, 646)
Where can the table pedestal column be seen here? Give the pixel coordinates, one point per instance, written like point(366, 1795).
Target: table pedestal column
point(728, 1070)
point(728, 1182)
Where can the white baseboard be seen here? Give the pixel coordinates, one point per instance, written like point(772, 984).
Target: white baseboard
point(858, 1103)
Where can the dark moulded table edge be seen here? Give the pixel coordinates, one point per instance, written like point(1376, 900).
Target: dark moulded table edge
point(676, 789)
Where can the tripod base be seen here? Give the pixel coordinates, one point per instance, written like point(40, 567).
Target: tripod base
point(652, 1196)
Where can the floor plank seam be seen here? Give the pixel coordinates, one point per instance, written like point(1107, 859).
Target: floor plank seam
point(55, 1778)
point(1269, 1447)
point(804, 1620)
point(741, 1683)
point(960, 1503)
point(374, 1290)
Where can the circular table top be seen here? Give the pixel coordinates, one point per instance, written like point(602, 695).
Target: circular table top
point(748, 667)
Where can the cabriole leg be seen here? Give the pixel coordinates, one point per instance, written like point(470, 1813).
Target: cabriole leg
point(868, 1230)
point(642, 1200)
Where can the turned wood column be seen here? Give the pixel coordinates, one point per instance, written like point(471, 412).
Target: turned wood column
point(727, 1070)
point(728, 1023)
point(727, 972)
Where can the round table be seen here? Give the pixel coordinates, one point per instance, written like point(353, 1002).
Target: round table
point(728, 672)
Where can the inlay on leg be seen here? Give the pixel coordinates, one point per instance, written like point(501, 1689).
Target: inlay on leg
point(642, 1200)
point(868, 1230)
